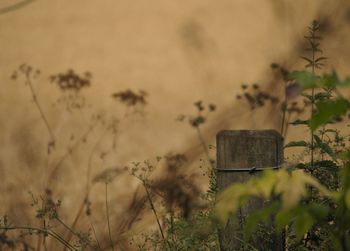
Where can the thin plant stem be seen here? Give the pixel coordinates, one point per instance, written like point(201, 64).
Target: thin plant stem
point(284, 135)
point(93, 150)
point(107, 214)
point(44, 235)
point(284, 107)
point(71, 232)
point(155, 214)
point(88, 187)
point(314, 50)
point(95, 235)
point(15, 6)
point(172, 229)
point(42, 114)
point(312, 114)
point(87, 192)
point(68, 153)
point(66, 226)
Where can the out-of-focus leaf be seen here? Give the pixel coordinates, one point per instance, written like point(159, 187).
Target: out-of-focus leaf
point(229, 200)
point(318, 210)
point(266, 185)
point(347, 198)
point(328, 165)
point(261, 215)
point(283, 217)
point(303, 223)
point(300, 143)
point(328, 109)
point(291, 187)
point(344, 155)
point(305, 79)
point(300, 166)
point(330, 80)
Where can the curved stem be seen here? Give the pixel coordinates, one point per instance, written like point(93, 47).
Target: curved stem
point(107, 213)
point(15, 6)
point(42, 114)
point(68, 153)
point(155, 214)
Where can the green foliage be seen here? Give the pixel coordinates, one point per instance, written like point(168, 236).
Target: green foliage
point(327, 110)
point(311, 199)
point(289, 186)
point(325, 147)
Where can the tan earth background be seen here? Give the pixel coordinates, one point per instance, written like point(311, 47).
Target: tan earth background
point(177, 51)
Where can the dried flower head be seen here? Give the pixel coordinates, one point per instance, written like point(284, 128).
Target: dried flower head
point(131, 98)
point(256, 97)
point(71, 80)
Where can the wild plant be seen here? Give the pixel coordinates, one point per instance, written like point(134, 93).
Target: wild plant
point(312, 195)
point(183, 218)
point(50, 224)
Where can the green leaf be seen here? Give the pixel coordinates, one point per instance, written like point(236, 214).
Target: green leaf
point(283, 218)
point(330, 80)
point(325, 147)
point(328, 165)
point(305, 79)
point(303, 223)
point(319, 211)
point(300, 166)
point(300, 143)
point(328, 109)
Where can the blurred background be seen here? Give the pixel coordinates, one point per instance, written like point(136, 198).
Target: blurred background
point(175, 52)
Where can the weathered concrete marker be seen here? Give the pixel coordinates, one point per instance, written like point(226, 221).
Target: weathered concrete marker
point(240, 155)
